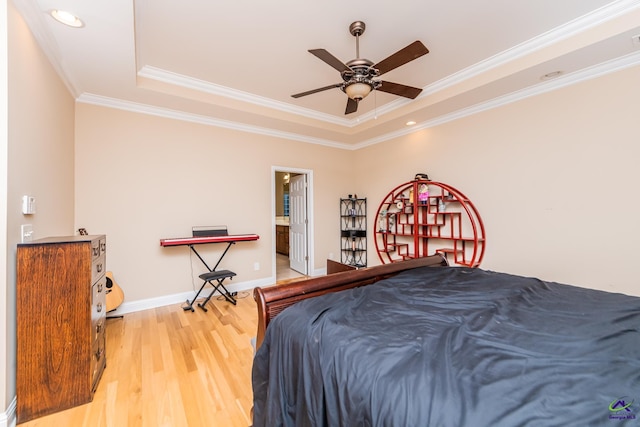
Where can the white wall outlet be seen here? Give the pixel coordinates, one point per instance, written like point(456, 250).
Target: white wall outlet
point(26, 233)
point(256, 266)
point(28, 205)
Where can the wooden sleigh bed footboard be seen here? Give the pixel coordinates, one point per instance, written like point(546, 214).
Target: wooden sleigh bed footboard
point(273, 300)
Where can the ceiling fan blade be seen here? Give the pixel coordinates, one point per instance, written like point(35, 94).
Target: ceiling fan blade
point(413, 51)
point(400, 90)
point(320, 89)
point(352, 106)
point(330, 59)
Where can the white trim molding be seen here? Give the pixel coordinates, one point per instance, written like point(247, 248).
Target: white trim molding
point(8, 418)
point(155, 302)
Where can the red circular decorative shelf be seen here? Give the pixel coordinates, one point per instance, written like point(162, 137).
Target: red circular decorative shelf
point(421, 218)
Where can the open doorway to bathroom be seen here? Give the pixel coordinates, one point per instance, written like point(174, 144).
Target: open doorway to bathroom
point(292, 237)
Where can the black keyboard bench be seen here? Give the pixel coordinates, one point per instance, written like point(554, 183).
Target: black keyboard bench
point(215, 279)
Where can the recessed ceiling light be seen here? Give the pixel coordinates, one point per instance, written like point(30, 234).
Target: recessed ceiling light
point(410, 123)
point(551, 75)
point(67, 18)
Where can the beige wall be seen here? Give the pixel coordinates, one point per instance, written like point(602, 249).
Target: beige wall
point(40, 164)
point(553, 176)
point(140, 178)
point(7, 325)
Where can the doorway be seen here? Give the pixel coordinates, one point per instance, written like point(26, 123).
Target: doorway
point(292, 223)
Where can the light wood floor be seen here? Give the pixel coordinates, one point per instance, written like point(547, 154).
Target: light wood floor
point(169, 367)
point(283, 272)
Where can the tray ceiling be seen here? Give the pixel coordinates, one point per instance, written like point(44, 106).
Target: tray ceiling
point(236, 64)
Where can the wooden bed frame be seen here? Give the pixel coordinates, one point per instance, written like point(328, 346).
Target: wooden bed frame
point(272, 300)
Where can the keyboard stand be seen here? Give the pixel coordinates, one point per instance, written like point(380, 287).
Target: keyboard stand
point(213, 277)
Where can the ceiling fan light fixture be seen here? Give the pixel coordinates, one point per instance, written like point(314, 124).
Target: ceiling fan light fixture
point(357, 91)
point(360, 74)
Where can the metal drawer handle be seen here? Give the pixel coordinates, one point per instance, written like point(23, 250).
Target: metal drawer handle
point(99, 307)
point(99, 268)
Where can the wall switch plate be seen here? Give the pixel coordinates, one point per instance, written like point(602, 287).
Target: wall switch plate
point(256, 266)
point(26, 233)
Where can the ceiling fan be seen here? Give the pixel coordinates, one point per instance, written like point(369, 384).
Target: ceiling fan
point(359, 75)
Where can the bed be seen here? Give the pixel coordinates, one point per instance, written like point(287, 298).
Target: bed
point(419, 343)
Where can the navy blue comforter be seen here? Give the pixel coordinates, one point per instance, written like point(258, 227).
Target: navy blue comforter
point(452, 347)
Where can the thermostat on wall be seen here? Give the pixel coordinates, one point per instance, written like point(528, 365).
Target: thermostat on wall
point(28, 205)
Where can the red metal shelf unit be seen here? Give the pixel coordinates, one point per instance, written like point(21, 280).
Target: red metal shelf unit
point(421, 218)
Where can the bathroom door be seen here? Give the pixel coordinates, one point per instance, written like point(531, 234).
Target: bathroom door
point(298, 256)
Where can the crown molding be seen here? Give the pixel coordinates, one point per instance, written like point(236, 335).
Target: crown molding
point(618, 64)
point(565, 31)
point(595, 71)
point(35, 20)
point(135, 107)
point(187, 82)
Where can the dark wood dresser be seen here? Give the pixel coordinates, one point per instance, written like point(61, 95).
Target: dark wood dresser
point(61, 318)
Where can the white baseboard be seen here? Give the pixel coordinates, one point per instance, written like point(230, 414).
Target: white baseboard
point(149, 303)
point(8, 418)
point(319, 272)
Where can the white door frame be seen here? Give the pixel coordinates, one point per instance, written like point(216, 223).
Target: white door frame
point(309, 195)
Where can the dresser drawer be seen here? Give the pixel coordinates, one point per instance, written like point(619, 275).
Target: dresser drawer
point(95, 249)
point(98, 362)
point(98, 307)
point(98, 311)
point(98, 331)
point(98, 247)
point(98, 267)
point(103, 245)
point(98, 299)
